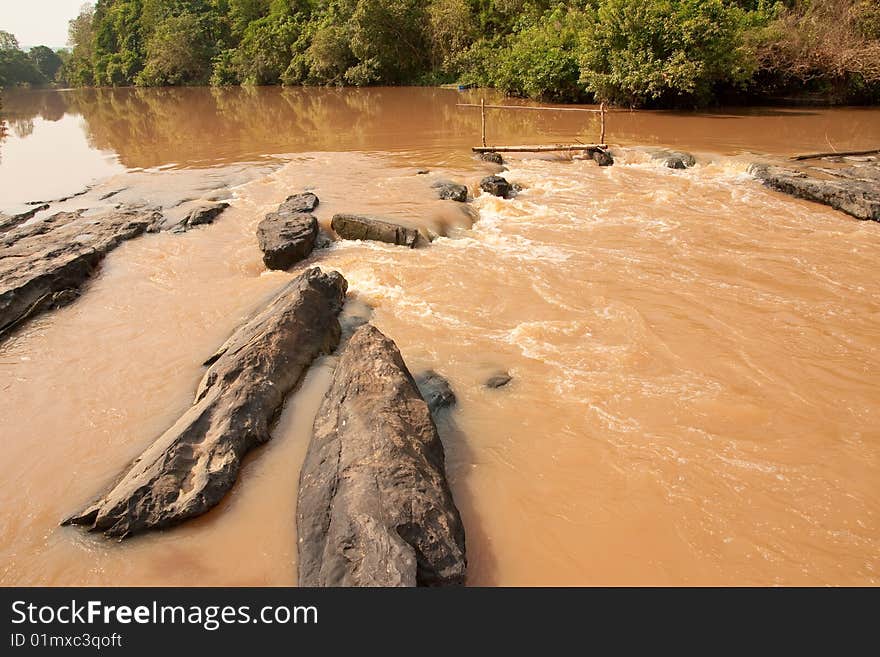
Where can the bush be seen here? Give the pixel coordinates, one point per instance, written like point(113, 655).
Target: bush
point(540, 60)
point(666, 52)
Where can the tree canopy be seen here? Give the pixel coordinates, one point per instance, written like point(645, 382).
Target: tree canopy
point(632, 52)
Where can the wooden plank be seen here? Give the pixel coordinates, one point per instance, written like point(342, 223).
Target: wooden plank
point(538, 149)
point(815, 156)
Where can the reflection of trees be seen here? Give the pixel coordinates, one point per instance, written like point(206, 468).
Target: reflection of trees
point(23, 127)
point(48, 104)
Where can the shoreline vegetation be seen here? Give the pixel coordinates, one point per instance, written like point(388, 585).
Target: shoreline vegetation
point(633, 53)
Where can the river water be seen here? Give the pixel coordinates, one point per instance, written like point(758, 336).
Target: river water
point(694, 358)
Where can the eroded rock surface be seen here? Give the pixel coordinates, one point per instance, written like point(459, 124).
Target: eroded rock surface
point(44, 263)
point(203, 214)
point(358, 227)
point(196, 461)
point(374, 505)
point(854, 189)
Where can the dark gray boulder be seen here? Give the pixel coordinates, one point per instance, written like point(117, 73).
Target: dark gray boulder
point(436, 391)
point(44, 264)
point(492, 157)
point(374, 505)
point(855, 191)
point(285, 239)
point(450, 191)
point(297, 203)
point(289, 234)
point(196, 461)
point(359, 227)
point(497, 186)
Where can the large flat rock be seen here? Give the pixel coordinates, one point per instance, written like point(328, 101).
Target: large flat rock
point(854, 190)
point(196, 461)
point(45, 262)
point(374, 505)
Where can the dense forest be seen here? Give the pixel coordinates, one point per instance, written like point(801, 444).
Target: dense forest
point(630, 52)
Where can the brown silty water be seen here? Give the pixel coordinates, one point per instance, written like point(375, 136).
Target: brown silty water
point(694, 357)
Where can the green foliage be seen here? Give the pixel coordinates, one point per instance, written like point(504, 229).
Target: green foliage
point(47, 61)
point(179, 51)
point(665, 51)
point(17, 67)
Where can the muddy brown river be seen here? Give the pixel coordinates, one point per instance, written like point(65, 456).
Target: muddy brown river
point(694, 357)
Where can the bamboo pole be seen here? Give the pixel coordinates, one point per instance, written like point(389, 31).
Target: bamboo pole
point(815, 156)
point(602, 134)
point(539, 109)
point(483, 118)
point(536, 149)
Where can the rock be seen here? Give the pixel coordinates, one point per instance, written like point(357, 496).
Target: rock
point(11, 221)
point(435, 390)
point(855, 190)
point(289, 234)
point(374, 505)
point(497, 186)
point(602, 158)
point(498, 380)
point(423, 172)
point(494, 158)
point(285, 239)
point(358, 227)
point(195, 462)
point(43, 260)
point(675, 159)
point(297, 203)
point(204, 214)
point(450, 191)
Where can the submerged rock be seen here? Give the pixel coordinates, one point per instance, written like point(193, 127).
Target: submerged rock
point(204, 214)
point(602, 158)
point(498, 380)
point(374, 505)
point(493, 157)
point(497, 186)
point(435, 390)
point(675, 159)
point(450, 191)
point(854, 190)
point(195, 462)
point(44, 264)
point(358, 227)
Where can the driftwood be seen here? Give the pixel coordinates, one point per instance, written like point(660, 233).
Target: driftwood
point(816, 156)
point(193, 464)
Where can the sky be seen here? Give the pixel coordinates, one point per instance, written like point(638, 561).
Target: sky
point(38, 22)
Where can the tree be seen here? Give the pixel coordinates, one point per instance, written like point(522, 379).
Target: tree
point(8, 41)
point(179, 51)
point(46, 60)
